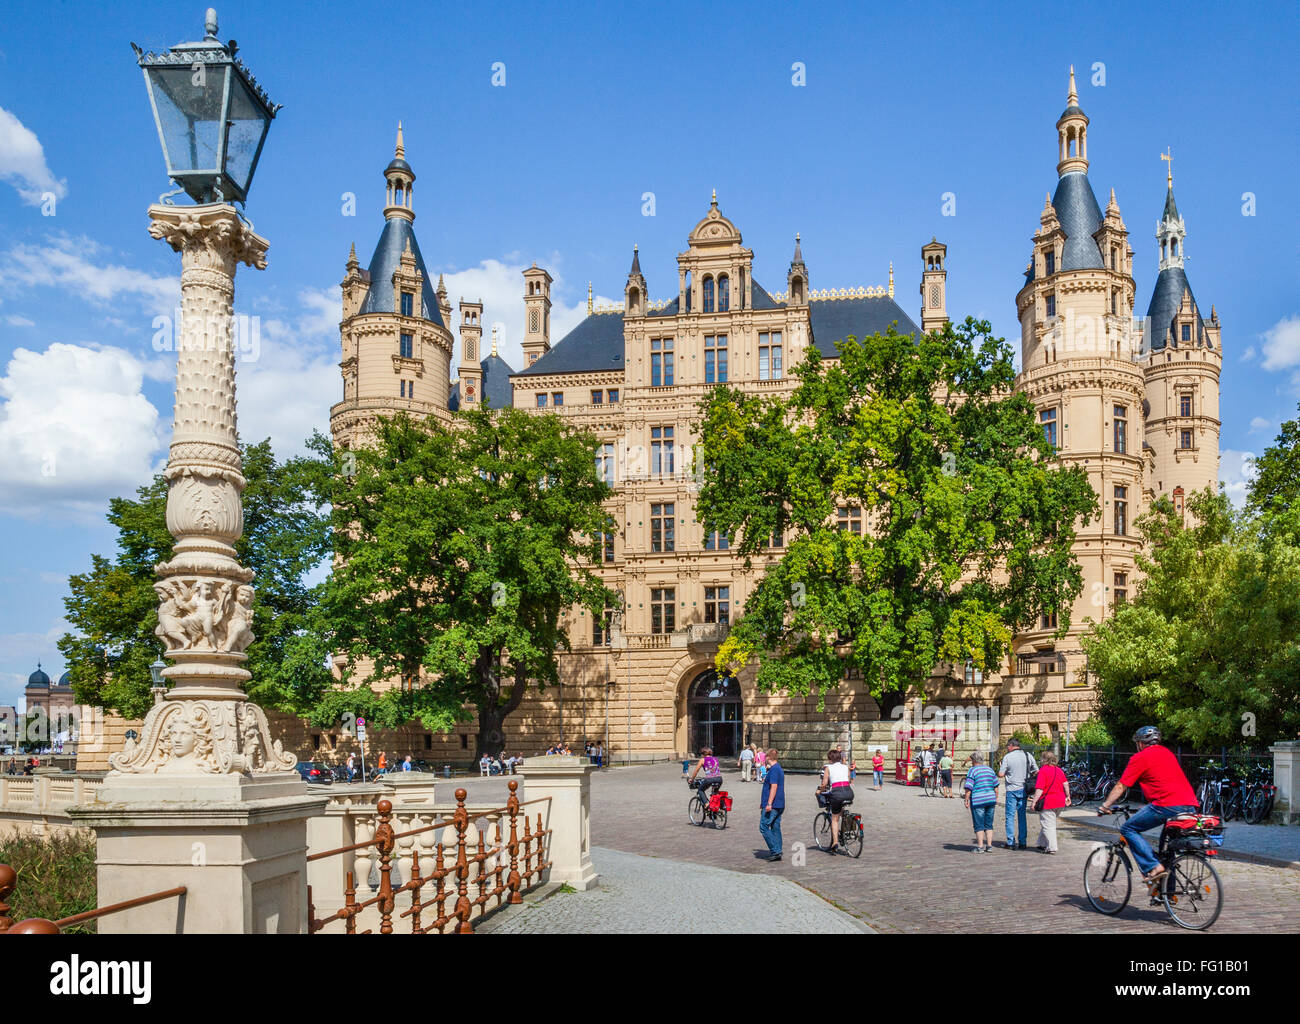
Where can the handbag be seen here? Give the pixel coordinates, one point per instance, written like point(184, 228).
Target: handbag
point(1038, 804)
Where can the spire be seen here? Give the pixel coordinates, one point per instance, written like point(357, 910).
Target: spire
point(352, 258)
point(400, 152)
point(442, 287)
point(891, 279)
point(494, 339)
point(1071, 100)
point(797, 278)
point(798, 254)
point(1170, 231)
point(636, 262)
point(1072, 133)
point(589, 306)
point(1168, 157)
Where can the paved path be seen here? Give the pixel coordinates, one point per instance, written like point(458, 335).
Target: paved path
point(917, 872)
point(653, 895)
point(1271, 844)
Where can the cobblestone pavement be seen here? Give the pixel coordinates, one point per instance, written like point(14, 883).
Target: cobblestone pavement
point(917, 873)
point(655, 895)
point(1275, 842)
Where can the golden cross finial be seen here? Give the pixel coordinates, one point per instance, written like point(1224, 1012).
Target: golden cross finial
point(1073, 98)
point(714, 200)
point(588, 298)
point(401, 147)
point(1168, 157)
point(494, 339)
point(891, 279)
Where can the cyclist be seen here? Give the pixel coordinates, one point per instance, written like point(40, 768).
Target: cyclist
point(710, 772)
point(838, 787)
point(1156, 769)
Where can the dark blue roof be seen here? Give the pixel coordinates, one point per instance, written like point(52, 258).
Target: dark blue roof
point(594, 345)
point(761, 300)
point(1080, 216)
point(497, 392)
point(399, 164)
point(385, 262)
point(1165, 301)
point(668, 310)
point(835, 319)
point(1171, 208)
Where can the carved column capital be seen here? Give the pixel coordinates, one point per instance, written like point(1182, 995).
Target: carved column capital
point(211, 236)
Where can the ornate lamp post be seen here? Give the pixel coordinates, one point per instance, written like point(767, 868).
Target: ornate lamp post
point(212, 120)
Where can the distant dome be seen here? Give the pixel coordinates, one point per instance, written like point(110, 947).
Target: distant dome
point(65, 679)
point(38, 678)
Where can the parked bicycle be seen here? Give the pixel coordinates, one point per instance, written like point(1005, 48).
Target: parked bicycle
point(1104, 784)
point(1190, 890)
point(1078, 775)
point(852, 838)
point(713, 807)
point(1257, 804)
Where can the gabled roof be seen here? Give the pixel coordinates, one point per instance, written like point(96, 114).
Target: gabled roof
point(497, 392)
point(1166, 300)
point(1080, 216)
point(761, 300)
point(380, 298)
point(594, 345)
point(835, 319)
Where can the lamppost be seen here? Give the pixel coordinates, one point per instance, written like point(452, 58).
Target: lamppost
point(159, 687)
point(212, 119)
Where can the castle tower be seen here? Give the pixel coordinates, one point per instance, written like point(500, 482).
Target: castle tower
point(537, 313)
point(394, 335)
point(471, 338)
point(1183, 363)
point(796, 279)
point(634, 292)
point(934, 285)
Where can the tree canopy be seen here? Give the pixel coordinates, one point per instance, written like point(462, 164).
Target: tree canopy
point(459, 552)
point(113, 608)
point(922, 515)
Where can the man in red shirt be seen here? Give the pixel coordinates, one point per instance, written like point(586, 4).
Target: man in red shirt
point(1156, 769)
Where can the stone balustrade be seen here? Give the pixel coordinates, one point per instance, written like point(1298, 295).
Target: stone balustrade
point(38, 804)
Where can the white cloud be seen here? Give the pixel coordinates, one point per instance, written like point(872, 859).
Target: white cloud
point(1258, 424)
point(14, 320)
point(1282, 344)
point(1249, 354)
point(1236, 471)
point(75, 429)
point(22, 162)
point(67, 263)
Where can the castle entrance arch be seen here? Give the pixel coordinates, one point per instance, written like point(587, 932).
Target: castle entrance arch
point(715, 712)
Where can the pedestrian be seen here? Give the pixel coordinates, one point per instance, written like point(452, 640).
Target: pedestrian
point(878, 769)
point(1051, 795)
point(945, 772)
point(1015, 768)
point(12, 767)
point(352, 768)
point(406, 765)
point(383, 761)
point(747, 763)
point(981, 800)
point(760, 763)
point(771, 804)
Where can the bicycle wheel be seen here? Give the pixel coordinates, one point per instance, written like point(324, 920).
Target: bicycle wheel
point(851, 837)
point(1108, 880)
point(822, 831)
point(720, 819)
point(1205, 797)
point(1230, 805)
point(1192, 893)
point(696, 810)
point(1254, 806)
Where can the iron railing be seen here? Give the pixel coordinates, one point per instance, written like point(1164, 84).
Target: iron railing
point(41, 926)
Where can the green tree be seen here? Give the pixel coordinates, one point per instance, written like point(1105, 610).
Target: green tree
point(1276, 485)
point(965, 522)
point(459, 553)
point(113, 608)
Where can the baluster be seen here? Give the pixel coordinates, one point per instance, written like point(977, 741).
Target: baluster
point(462, 866)
point(350, 906)
point(312, 923)
point(385, 842)
point(426, 839)
point(417, 883)
point(8, 879)
point(364, 859)
point(528, 850)
point(405, 845)
point(498, 865)
point(440, 893)
point(542, 845)
point(474, 847)
point(513, 880)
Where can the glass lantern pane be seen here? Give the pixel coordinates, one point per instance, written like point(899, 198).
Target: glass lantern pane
point(248, 123)
point(188, 103)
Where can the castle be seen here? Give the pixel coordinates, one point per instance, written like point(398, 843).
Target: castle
point(1134, 400)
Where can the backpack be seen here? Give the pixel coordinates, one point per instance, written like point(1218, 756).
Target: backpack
point(1031, 771)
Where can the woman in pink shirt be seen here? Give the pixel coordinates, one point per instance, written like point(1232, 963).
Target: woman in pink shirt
point(1053, 788)
point(878, 769)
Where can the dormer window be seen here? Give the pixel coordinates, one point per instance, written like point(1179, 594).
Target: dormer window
point(708, 294)
point(1050, 260)
point(408, 304)
point(1187, 332)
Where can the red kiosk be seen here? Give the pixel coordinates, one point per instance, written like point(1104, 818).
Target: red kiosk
point(904, 740)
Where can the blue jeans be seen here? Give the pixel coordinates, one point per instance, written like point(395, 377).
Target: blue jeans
point(982, 818)
point(1016, 806)
point(769, 825)
point(879, 777)
point(1146, 819)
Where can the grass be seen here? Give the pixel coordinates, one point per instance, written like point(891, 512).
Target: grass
point(56, 876)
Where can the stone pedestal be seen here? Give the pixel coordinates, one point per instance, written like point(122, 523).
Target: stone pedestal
point(237, 843)
point(1286, 776)
point(567, 781)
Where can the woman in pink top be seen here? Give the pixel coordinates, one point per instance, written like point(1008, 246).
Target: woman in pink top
point(878, 769)
point(1054, 789)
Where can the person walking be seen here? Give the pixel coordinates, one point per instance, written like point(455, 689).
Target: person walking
point(981, 800)
point(383, 761)
point(1051, 795)
point(772, 804)
point(760, 763)
point(352, 767)
point(878, 769)
point(945, 773)
point(1015, 768)
point(406, 765)
point(747, 763)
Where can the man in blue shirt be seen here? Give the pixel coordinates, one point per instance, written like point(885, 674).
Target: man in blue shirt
point(772, 805)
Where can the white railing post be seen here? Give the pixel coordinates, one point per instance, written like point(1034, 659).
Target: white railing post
point(563, 782)
point(1286, 776)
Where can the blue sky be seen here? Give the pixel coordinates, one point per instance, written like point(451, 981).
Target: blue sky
point(601, 104)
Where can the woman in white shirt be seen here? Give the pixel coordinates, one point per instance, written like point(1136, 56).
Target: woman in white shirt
point(837, 786)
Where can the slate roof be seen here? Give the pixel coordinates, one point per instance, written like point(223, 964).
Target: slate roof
point(381, 298)
point(1080, 216)
point(835, 319)
point(595, 344)
point(1171, 208)
point(497, 392)
point(761, 300)
point(1165, 301)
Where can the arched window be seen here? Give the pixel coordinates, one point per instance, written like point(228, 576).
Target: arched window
point(634, 300)
point(708, 295)
point(796, 290)
point(724, 293)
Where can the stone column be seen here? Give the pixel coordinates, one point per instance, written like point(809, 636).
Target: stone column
point(1286, 776)
point(206, 798)
point(566, 779)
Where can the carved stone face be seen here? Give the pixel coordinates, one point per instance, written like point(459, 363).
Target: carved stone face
point(182, 739)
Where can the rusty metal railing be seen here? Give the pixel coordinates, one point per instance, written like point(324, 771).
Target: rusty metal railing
point(449, 878)
point(41, 926)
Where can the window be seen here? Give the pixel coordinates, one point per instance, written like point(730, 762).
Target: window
point(541, 401)
point(848, 518)
point(557, 398)
point(769, 356)
point(613, 395)
point(605, 464)
point(1049, 620)
point(464, 741)
point(1051, 305)
point(715, 359)
point(1121, 429)
point(607, 546)
point(1050, 260)
point(974, 675)
point(408, 389)
point(724, 293)
point(663, 609)
point(596, 397)
point(408, 304)
point(662, 536)
point(708, 295)
point(661, 450)
point(715, 541)
point(661, 362)
point(717, 604)
point(1121, 588)
point(600, 628)
point(1184, 405)
point(1121, 511)
point(1185, 439)
point(1114, 257)
point(776, 540)
point(1047, 417)
point(406, 346)
point(1187, 332)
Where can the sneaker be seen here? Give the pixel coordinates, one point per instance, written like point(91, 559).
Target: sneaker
point(774, 858)
point(1021, 846)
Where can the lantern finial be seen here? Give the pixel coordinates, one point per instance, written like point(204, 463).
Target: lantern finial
point(210, 23)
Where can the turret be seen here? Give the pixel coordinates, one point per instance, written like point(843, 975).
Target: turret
point(934, 285)
point(537, 313)
point(634, 292)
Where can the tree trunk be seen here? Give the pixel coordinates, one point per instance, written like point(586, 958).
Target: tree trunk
point(492, 712)
point(888, 701)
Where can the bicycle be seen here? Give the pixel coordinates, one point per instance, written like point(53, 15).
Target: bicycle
point(852, 837)
point(1190, 890)
point(1210, 787)
point(714, 809)
point(1080, 780)
point(1260, 794)
point(931, 783)
point(1101, 789)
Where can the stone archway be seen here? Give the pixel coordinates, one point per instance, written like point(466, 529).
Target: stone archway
point(715, 714)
